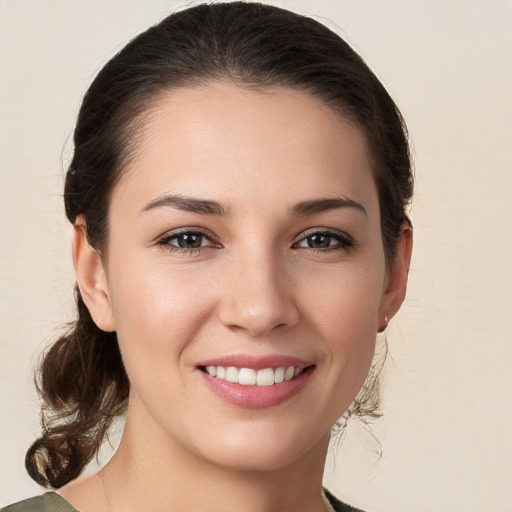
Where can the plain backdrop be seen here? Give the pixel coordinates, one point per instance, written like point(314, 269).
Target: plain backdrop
point(445, 436)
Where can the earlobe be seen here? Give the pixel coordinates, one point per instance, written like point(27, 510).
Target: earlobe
point(91, 278)
point(396, 285)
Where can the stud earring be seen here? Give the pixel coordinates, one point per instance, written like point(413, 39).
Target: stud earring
point(386, 321)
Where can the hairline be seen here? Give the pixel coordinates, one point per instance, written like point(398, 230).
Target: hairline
point(145, 105)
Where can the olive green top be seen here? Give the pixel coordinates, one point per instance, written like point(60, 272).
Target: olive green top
point(49, 502)
point(52, 502)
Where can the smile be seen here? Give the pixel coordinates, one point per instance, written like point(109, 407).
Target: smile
point(256, 382)
point(252, 377)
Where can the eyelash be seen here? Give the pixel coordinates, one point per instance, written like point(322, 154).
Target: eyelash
point(165, 241)
point(343, 241)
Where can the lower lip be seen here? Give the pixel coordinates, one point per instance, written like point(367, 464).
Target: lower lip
point(257, 397)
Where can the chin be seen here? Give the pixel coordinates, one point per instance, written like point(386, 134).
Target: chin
point(253, 461)
point(264, 451)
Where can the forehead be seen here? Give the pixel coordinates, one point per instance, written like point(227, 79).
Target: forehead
point(231, 143)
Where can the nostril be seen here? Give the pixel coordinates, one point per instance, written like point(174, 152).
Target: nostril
point(257, 307)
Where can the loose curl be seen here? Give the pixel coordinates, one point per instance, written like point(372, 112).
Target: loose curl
point(81, 379)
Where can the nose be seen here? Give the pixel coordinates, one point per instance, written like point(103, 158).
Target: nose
point(257, 296)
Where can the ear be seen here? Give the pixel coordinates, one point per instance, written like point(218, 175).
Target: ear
point(91, 278)
point(396, 283)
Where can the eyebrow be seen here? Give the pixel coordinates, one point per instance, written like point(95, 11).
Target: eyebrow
point(187, 204)
point(209, 207)
point(326, 204)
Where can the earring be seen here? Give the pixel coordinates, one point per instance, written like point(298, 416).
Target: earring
point(386, 321)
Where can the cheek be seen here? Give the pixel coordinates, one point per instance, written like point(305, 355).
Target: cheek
point(344, 309)
point(157, 314)
point(346, 301)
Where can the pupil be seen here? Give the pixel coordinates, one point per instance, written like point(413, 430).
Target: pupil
point(189, 241)
point(319, 241)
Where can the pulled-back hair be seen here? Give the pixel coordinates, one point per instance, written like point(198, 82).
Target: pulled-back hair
point(82, 378)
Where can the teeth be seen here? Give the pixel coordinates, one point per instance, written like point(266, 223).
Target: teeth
point(265, 377)
point(250, 377)
point(232, 374)
point(289, 373)
point(279, 375)
point(247, 376)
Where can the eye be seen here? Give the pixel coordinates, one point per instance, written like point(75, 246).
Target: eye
point(325, 241)
point(187, 241)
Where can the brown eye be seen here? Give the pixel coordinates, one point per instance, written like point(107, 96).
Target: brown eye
point(325, 240)
point(319, 241)
point(189, 240)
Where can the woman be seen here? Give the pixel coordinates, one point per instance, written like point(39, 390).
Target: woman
point(238, 194)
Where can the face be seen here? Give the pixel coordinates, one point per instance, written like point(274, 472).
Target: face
point(245, 274)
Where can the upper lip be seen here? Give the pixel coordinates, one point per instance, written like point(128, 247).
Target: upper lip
point(256, 362)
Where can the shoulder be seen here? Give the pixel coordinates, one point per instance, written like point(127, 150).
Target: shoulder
point(49, 502)
point(338, 505)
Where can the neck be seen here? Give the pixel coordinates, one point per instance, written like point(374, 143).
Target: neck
point(149, 474)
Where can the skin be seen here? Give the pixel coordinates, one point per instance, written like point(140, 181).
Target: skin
point(255, 287)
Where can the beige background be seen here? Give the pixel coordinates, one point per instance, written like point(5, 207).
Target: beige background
point(445, 435)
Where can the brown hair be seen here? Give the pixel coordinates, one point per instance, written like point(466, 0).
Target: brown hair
point(82, 379)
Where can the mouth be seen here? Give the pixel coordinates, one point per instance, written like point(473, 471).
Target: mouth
point(256, 382)
point(255, 377)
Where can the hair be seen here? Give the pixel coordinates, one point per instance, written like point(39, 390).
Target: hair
point(81, 378)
